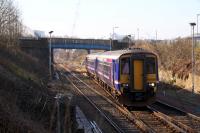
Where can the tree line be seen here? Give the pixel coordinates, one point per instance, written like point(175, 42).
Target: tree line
point(174, 55)
point(10, 23)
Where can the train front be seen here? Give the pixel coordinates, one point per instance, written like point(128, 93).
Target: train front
point(138, 78)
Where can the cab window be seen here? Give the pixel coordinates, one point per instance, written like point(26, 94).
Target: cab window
point(125, 63)
point(151, 66)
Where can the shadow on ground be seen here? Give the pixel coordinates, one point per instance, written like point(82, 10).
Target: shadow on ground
point(179, 97)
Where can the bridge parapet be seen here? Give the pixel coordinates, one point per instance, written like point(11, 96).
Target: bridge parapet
point(70, 43)
point(79, 41)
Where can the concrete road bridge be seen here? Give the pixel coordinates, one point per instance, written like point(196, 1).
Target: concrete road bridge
point(66, 43)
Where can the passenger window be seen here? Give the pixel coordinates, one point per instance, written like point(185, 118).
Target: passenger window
point(125, 63)
point(151, 66)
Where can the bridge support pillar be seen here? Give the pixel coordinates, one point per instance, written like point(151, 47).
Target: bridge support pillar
point(38, 49)
point(52, 57)
point(52, 63)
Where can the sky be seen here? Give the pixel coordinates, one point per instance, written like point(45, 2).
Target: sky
point(96, 18)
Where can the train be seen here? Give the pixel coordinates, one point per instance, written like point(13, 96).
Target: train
point(130, 75)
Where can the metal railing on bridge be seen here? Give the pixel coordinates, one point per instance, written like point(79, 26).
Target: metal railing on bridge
point(80, 43)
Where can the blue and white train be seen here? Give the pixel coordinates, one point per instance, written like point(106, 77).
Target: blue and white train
point(130, 75)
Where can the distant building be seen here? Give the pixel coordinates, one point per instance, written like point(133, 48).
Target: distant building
point(39, 34)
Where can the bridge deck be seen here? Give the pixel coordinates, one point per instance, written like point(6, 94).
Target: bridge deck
point(70, 43)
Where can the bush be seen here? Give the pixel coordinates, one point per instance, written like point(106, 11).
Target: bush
point(174, 55)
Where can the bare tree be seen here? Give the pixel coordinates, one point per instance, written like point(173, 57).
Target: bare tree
point(10, 23)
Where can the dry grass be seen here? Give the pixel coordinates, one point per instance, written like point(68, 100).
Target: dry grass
point(167, 77)
point(175, 61)
point(25, 103)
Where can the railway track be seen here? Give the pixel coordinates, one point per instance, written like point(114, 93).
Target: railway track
point(185, 121)
point(156, 123)
point(110, 113)
point(133, 117)
point(151, 119)
point(147, 116)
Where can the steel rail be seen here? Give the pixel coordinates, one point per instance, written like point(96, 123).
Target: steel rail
point(189, 127)
point(167, 121)
point(189, 114)
point(123, 110)
point(132, 116)
point(113, 124)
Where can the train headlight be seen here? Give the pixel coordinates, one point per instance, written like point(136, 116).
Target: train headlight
point(125, 85)
point(152, 84)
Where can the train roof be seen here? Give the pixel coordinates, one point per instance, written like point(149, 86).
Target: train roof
point(116, 54)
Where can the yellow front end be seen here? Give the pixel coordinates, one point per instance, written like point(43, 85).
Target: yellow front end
point(138, 80)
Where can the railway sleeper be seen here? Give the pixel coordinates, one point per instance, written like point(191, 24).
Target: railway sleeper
point(130, 117)
point(189, 114)
point(140, 124)
point(173, 123)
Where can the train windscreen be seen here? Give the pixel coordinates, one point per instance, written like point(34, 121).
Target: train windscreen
point(125, 63)
point(151, 66)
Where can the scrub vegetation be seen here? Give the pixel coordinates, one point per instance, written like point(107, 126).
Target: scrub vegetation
point(175, 60)
point(26, 104)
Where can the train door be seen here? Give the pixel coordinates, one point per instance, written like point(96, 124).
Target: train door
point(115, 73)
point(138, 74)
